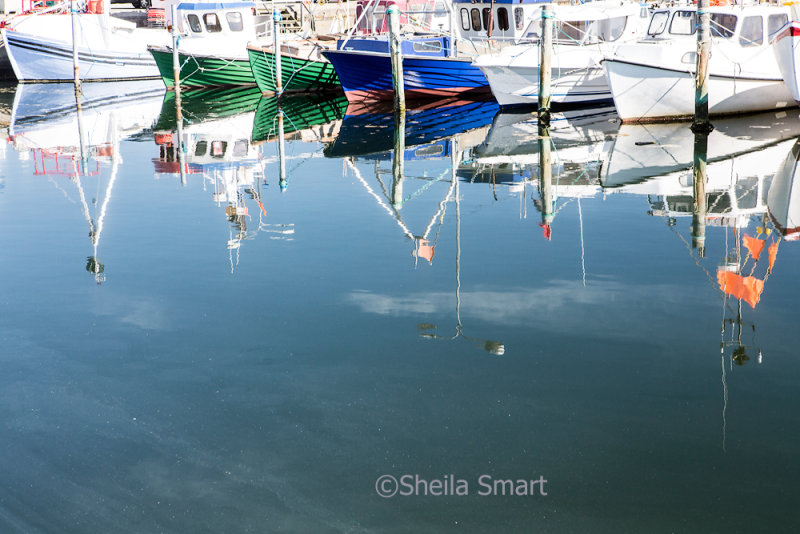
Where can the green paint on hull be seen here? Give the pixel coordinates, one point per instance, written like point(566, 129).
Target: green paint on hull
point(297, 74)
point(203, 71)
point(300, 112)
point(200, 105)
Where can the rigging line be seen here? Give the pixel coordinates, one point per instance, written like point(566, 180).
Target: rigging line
point(379, 199)
point(724, 391)
point(442, 206)
point(104, 206)
point(86, 213)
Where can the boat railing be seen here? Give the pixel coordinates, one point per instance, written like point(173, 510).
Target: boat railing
point(41, 7)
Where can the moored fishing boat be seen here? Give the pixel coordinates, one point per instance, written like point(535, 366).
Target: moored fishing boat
point(212, 49)
point(40, 47)
point(583, 34)
point(653, 79)
point(434, 65)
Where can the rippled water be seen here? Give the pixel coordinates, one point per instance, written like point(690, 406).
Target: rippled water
point(221, 350)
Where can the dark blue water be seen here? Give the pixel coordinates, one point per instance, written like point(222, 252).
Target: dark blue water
point(258, 372)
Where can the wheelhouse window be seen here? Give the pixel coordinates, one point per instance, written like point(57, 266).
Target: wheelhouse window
point(775, 23)
point(464, 19)
point(683, 23)
point(571, 31)
point(518, 18)
point(234, 19)
point(658, 23)
point(486, 14)
point(611, 29)
point(752, 32)
point(427, 47)
point(502, 19)
point(476, 19)
point(212, 23)
point(194, 23)
point(723, 25)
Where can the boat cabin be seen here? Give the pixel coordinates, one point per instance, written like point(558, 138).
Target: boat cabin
point(521, 20)
point(217, 20)
point(751, 27)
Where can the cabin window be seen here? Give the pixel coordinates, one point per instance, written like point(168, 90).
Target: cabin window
point(486, 14)
point(775, 23)
point(518, 18)
point(240, 148)
point(427, 47)
point(722, 25)
point(571, 31)
point(752, 32)
point(502, 19)
point(234, 21)
point(611, 29)
point(194, 23)
point(212, 23)
point(658, 23)
point(683, 23)
point(218, 149)
point(201, 148)
point(476, 19)
point(464, 19)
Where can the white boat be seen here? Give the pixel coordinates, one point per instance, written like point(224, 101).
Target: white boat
point(40, 48)
point(653, 79)
point(583, 35)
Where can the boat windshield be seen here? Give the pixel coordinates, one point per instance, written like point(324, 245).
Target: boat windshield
point(591, 31)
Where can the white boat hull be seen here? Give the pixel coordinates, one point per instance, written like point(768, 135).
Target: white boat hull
point(787, 53)
point(519, 85)
point(649, 93)
point(40, 49)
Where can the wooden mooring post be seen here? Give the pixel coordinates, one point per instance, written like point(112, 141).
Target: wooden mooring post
point(701, 122)
point(276, 45)
point(398, 160)
point(545, 178)
point(700, 200)
point(397, 58)
point(75, 68)
point(282, 184)
point(176, 61)
point(545, 51)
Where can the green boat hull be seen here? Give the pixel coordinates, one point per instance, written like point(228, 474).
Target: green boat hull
point(300, 113)
point(297, 74)
point(203, 71)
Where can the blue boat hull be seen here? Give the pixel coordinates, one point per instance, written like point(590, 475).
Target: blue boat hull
point(368, 75)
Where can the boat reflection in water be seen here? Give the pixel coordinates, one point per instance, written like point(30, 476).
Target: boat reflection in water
point(783, 199)
point(73, 139)
point(517, 148)
point(213, 143)
point(723, 180)
point(436, 137)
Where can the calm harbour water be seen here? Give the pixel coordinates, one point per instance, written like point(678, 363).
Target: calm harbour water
point(238, 354)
